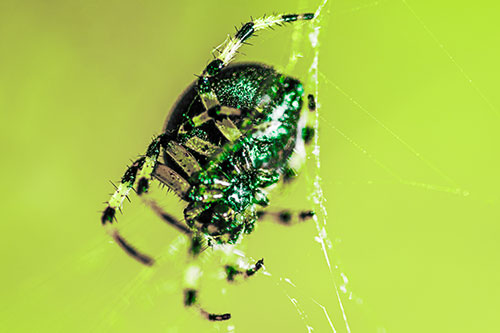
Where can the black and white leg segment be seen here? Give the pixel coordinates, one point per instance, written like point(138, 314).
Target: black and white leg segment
point(286, 217)
point(229, 50)
point(122, 191)
point(230, 46)
point(191, 281)
point(140, 171)
point(232, 271)
point(305, 135)
point(145, 174)
point(213, 110)
point(308, 131)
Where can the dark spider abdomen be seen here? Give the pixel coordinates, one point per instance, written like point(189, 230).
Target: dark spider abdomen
point(237, 86)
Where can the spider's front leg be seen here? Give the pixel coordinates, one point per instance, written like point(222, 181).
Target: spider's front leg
point(230, 47)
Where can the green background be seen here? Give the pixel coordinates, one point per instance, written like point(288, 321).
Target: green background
point(409, 136)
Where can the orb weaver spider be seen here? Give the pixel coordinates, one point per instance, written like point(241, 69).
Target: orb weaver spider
point(229, 136)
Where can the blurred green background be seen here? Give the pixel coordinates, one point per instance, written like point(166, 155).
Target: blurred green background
point(409, 135)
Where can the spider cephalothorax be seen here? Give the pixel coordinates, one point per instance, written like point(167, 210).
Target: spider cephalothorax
point(228, 138)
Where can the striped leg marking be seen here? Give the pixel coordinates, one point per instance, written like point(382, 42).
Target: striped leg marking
point(232, 272)
point(230, 49)
point(140, 171)
point(191, 278)
point(286, 217)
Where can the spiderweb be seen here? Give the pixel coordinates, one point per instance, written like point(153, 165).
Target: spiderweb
point(332, 309)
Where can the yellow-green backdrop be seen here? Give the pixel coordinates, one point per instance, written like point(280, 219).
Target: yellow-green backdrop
point(409, 117)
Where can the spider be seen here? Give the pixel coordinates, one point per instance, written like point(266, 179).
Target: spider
point(229, 136)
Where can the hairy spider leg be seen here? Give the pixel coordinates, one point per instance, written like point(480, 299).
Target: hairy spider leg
point(229, 49)
point(138, 173)
point(143, 169)
point(231, 45)
point(141, 173)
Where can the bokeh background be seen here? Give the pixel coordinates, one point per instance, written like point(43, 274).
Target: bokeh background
point(409, 135)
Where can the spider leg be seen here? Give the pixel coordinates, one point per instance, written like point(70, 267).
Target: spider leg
point(308, 131)
point(167, 217)
point(231, 45)
point(185, 160)
point(311, 103)
point(130, 250)
point(202, 147)
point(213, 110)
point(305, 136)
point(182, 157)
point(286, 217)
point(168, 176)
point(191, 278)
point(172, 179)
point(228, 129)
point(140, 171)
point(229, 49)
point(231, 271)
